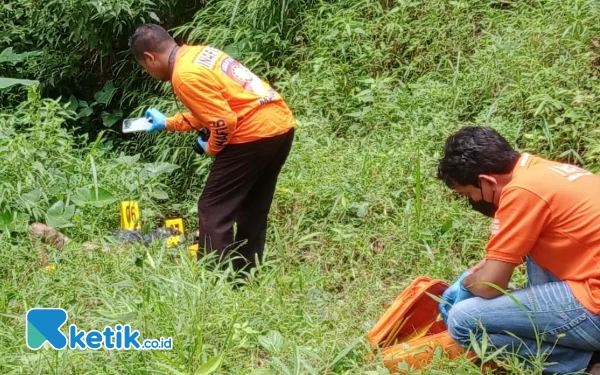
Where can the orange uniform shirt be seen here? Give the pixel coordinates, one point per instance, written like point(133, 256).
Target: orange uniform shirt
point(224, 96)
point(551, 211)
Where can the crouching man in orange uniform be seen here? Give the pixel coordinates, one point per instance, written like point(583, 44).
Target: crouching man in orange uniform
point(546, 214)
point(251, 134)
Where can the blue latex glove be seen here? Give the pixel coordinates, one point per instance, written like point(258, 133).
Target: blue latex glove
point(463, 293)
point(158, 120)
point(455, 293)
point(202, 143)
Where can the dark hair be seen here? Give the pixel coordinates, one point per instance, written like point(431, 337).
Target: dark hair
point(149, 38)
point(472, 151)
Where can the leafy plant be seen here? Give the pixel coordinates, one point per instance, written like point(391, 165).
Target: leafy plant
point(47, 178)
point(7, 82)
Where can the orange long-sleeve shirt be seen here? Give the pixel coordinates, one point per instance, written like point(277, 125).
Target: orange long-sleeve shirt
point(224, 96)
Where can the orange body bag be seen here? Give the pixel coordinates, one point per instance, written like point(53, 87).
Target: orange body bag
point(409, 330)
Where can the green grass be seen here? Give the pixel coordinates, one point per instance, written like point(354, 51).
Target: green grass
point(376, 86)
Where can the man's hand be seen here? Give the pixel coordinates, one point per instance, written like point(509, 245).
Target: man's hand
point(158, 120)
point(463, 292)
point(452, 295)
point(200, 146)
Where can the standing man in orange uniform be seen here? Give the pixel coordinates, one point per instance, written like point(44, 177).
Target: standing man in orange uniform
point(546, 214)
point(251, 133)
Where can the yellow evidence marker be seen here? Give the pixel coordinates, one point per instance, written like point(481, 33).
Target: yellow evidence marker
point(176, 224)
point(130, 215)
point(193, 250)
point(51, 267)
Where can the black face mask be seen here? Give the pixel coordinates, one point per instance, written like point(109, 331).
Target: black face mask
point(487, 208)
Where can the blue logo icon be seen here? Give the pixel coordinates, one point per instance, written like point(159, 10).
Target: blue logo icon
point(43, 325)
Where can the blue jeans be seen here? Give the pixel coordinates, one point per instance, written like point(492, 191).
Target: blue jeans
point(568, 332)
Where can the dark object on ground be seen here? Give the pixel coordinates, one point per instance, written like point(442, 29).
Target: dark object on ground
point(41, 233)
point(127, 236)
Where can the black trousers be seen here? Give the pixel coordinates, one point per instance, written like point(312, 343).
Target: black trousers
point(239, 190)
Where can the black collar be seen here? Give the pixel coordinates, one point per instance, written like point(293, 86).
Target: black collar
point(172, 59)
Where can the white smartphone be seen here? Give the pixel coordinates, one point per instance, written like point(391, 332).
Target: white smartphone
point(132, 125)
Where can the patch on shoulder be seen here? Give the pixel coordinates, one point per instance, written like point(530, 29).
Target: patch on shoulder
point(226, 64)
point(207, 57)
point(496, 226)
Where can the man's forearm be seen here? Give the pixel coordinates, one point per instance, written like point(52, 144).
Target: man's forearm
point(477, 267)
point(475, 284)
point(178, 123)
point(490, 278)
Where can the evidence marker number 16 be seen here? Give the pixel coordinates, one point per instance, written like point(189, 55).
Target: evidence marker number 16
point(130, 215)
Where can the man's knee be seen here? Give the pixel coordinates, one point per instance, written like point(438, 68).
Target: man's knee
point(462, 321)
